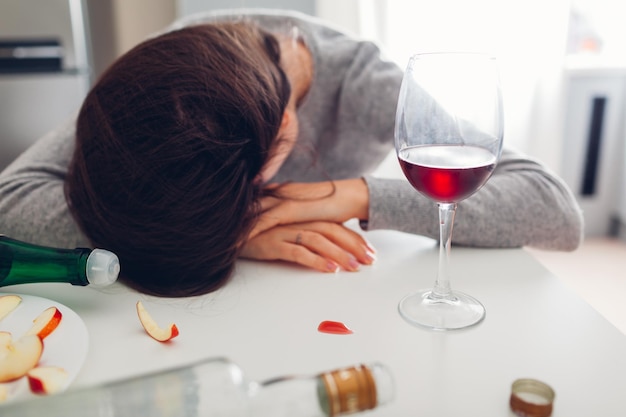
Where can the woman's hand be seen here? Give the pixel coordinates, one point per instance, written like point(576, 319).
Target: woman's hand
point(323, 246)
point(329, 201)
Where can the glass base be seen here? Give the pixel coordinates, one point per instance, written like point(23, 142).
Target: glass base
point(457, 311)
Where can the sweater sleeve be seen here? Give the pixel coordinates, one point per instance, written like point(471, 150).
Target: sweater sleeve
point(522, 204)
point(32, 200)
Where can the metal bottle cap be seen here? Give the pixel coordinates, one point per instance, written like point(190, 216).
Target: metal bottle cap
point(357, 388)
point(531, 398)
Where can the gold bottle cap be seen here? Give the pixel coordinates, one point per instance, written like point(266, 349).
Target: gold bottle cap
point(531, 398)
point(350, 390)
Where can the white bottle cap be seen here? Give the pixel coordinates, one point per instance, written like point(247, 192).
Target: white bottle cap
point(103, 267)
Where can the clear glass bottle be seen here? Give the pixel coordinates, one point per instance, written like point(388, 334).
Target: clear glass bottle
point(218, 388)
point(24, 263)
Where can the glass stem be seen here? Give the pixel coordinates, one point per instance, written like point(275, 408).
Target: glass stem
point(442, 288)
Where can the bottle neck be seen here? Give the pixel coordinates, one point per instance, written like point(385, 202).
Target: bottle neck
point(23, 263)
point(286, 397)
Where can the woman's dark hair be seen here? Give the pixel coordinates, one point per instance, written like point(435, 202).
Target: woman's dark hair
point(169, 143)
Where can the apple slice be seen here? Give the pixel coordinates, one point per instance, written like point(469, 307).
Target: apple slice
point(4, 393)
point(152, 328)
point(47, 379)
point(22, 356)
point(5, 338)
point(5, 341)
point(46, 322)
point(8, 303)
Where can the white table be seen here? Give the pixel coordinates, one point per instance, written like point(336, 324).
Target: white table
point(266, 320)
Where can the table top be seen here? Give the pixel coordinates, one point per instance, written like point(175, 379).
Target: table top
point(266, 321)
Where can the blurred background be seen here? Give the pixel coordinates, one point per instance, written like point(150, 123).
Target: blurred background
point(563, 71)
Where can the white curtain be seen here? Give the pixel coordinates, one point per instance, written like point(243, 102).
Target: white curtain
point(528, 37)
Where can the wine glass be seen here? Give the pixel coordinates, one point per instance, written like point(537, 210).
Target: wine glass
point(448, 137)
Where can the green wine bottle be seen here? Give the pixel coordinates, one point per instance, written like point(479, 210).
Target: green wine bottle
point(25, 263)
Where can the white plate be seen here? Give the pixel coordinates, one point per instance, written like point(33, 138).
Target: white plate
point(65, 347)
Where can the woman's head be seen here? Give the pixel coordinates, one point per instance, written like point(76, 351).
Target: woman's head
point(168, 145)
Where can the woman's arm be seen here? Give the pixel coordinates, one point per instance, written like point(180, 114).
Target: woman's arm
point(32, 201)
point(522, 204)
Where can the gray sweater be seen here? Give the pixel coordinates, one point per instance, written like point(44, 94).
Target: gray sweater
point(346, 130)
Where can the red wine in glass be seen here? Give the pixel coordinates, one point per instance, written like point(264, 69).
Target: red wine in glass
point(447, 173)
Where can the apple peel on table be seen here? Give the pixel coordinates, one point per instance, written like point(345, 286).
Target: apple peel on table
point(21, 356)
point(8, 303)
point(44, 380)
point(161, 334)
point(46, 322)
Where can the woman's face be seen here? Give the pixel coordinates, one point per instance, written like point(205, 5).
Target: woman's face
point(294, 59)
point(286, 139)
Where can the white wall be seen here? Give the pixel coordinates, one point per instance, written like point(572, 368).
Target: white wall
point(136, 19)
point(118, 25)
point(186, 7)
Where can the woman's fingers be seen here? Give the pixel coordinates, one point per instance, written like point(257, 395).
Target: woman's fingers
point(286, 244)
point(336, 242)
point(323, 246)
point(270, 217)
